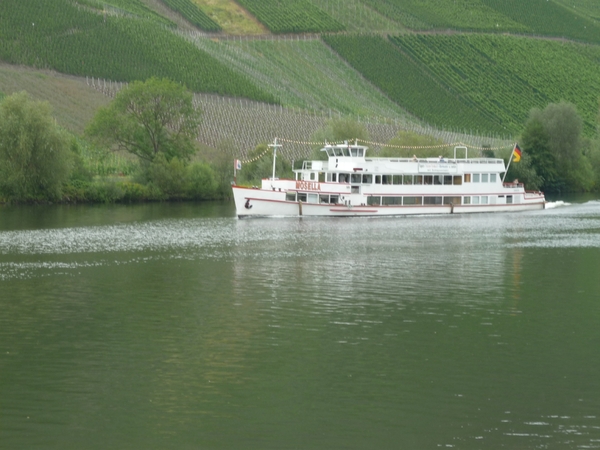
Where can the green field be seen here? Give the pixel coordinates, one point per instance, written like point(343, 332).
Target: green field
point(291, 16)
point(477, 82)
point(76, 41)
point(405, 82)
point(506, 76)
point(134, 8)
point(193, 14)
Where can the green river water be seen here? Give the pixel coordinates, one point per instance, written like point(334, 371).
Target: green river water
point(179, 326)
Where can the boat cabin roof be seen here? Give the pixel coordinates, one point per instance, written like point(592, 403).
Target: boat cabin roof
point(345, 150)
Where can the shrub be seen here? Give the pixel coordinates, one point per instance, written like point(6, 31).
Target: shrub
point(201, 182)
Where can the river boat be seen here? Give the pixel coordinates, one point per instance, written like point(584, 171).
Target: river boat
point(351, 184)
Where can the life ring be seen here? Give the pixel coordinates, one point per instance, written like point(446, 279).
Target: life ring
point(248, 205)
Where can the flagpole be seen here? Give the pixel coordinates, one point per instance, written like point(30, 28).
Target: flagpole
point(509, 161)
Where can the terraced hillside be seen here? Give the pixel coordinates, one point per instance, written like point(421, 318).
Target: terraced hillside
point(302, 73)
point(481, 82)
point(77, 41)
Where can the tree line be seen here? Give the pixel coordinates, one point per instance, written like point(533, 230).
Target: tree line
point(154, 125)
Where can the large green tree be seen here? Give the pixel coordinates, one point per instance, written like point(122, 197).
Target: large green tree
point(35, 158)
point(147, 119)
point(552, 138)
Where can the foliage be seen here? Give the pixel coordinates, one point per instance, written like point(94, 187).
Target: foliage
point(261, 166)
point(169, 177)
point(525, 172)
point(552, 137)
point(406, 144)
point(201, 183)
point(337, 131)
point(193, 14)
point(78, 41)
point(535, 143)
point(221, 160)
point(177, 180)
point(147, 119)
point(298, 16)
point(35, 159)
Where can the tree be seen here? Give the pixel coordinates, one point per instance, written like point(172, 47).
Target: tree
point(35, 158)
point(147, 119)
point(260, 165)
point(553, 137)
point(337, 131)
point(535, 143)
point(407, 143)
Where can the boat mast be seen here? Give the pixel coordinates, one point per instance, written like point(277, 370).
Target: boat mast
point(274, 145)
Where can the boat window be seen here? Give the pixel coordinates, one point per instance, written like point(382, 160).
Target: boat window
point(353, 151)
point(428, 179)
point(447, 179)
point(391, 200)
point(484, 177)
point(438, 179)
point(397, 179)
point(355, 190)
point(361, 152)
point(386, 179)
point(475, 199)
point(484, 199)
point(302, 196)
point(475, 178)
point(467, 177)
point(338, 151)
point(355, 178)
point(313, 198)
point(451, 200)
point(492, 177)
point(290, 196)
point(509, 199)
point(418, 179)
point(408, 179)
point(373, 201)
point(432, 200)
point(367, 179)
point(323, 198)
point(312, 176)
point(344, 178)
point(330, 153)
point(377, 179)
point(413, 200)
point(466, 200)
point(334, 199)
point(346, 151)
point(457, 179)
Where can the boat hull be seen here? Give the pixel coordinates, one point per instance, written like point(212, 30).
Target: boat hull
point(270, 203)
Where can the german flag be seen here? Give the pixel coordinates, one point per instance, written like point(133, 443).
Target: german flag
point(516, 153)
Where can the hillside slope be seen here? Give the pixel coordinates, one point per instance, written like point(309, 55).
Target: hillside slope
point(467, 82)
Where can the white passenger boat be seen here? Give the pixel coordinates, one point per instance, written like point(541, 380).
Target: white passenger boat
point(351, 184)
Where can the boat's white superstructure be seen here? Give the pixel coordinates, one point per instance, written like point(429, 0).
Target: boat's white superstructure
point(351, 184)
